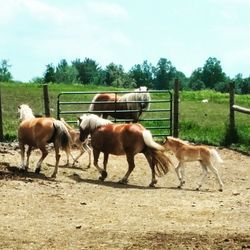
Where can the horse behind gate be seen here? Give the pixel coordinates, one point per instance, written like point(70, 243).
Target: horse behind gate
point(37, 133)
point(123, 139)
point(128, 106)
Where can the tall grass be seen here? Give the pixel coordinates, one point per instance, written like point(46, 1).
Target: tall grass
point(199, 122)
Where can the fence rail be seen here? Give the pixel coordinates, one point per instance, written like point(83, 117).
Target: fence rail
point(160, 115)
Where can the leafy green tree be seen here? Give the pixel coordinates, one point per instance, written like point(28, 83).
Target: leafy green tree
point(65, 73)
point(89, 71)
point(114, 75)
point(49, 75)
point(195, 82)
point(164, 73)
point(212, 73)
point(142, 74)
point(5, 75)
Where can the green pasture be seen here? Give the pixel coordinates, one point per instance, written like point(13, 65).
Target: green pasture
point(199, 122)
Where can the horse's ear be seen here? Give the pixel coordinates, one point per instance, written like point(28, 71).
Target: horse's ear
point(79, 120)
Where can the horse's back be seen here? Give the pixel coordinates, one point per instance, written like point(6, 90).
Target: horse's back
point(36, 131)
point(118, 138)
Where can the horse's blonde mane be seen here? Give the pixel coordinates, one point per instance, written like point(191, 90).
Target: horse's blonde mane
point(25, 112)
point(92, 105)
point(92, 122)
point(136, 96)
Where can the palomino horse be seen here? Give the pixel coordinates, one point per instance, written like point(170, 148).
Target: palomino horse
point(128, 106)
point(185, 152)
point(37, 133)
point(123, 139)
point(75, 141)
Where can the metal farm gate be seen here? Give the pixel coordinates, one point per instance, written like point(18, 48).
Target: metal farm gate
point(158, 119)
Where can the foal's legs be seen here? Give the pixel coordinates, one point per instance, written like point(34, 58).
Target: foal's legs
point(180, 167)
point(131, 166)
point(216, 173)
point(204, 170)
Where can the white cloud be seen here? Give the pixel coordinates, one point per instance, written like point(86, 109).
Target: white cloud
point(109, 10)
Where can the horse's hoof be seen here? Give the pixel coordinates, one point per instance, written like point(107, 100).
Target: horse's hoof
point(37, 171)
point(221, 190)
point(197, 189)
point(101, 178)
point(152, 185)
point(179, 186)
point(124, 182)
point(104, 174)
point(53, 176)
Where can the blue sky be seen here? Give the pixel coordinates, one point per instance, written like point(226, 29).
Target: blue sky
point(34, 33)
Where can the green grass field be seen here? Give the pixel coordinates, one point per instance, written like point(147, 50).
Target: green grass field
point(199, 122)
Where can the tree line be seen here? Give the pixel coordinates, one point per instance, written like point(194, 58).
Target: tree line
point(160, 76)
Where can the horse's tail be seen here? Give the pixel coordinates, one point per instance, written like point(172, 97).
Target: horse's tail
point(66, 124)
point(215, 155)
point(61, 136)
point(92, 105)
point(149, 141)
point(161, 162)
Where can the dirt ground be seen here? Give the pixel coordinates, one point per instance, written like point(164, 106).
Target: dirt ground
point(77, 211)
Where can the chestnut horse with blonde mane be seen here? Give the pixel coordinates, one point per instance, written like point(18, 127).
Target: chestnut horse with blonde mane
point(185, 152)
point(37, 133)
point(128, 106)
point(123, 139)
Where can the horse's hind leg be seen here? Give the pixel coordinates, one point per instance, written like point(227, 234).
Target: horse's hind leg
point(152, 166)
point(22, 148)
point(204, 170)
point(44, 154)
point(28, 157)
point(216, 173)
point(57, 162)
point(131, 166)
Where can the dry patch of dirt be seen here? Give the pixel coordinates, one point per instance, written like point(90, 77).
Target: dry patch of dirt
point(77, 211)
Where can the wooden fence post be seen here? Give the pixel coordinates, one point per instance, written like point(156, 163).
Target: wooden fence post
point(46, 100)
point(176, 109)
point(231, 109)
point(1, 117)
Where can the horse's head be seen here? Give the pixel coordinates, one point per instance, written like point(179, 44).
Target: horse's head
point(89, 123)
point(144, 97)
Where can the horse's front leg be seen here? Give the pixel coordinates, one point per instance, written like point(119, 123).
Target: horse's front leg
point(103, 173)
point(131, 166)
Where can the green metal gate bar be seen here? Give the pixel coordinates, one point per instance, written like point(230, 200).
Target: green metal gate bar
point(158, 119)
